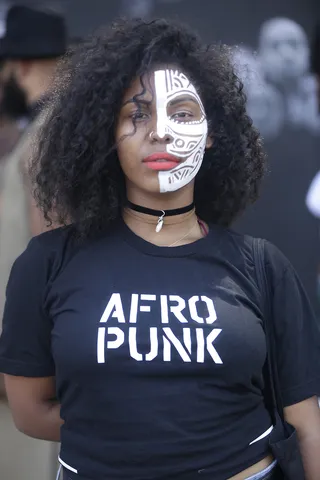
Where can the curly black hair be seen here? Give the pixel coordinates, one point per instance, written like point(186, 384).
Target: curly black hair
point(75, 169)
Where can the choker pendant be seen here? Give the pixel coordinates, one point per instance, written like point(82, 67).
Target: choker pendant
point(160, 213)
point(160, 222)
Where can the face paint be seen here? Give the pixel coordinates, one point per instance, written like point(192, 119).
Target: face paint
point(189, 138)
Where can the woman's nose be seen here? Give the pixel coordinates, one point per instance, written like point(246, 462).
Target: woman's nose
point(156, 138)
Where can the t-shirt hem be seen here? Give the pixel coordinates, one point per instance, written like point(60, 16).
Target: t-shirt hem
point(205, 473)
point(301, 392)
point(20, 369)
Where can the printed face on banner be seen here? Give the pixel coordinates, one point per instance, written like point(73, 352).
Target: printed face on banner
point(283, 50)
point(189, 134)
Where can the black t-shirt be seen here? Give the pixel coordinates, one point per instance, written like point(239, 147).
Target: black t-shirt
point(158, 352)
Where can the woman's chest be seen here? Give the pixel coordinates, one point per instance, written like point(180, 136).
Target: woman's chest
point(172, 317)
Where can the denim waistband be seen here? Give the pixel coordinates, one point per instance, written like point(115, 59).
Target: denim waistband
point(265, 474)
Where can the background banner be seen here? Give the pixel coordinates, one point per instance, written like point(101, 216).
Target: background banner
point(272, 57)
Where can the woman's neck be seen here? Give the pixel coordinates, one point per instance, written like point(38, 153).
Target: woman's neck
point(161, 201)
point(178, 229)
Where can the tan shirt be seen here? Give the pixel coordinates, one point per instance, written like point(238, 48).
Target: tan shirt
point(15, 225)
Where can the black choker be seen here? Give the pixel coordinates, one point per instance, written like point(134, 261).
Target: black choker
point(160, 213)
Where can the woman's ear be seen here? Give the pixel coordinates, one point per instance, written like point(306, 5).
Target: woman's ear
point(209, 142)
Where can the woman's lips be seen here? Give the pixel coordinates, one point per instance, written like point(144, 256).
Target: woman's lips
point(161, 161)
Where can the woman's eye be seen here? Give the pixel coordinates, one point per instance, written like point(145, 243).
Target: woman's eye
point(182, 115)
point(139, 116)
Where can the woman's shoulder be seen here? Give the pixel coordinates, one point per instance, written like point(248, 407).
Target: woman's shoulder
point(54, 240)
point(47, 249)
point(240, 244)
point(45, 255)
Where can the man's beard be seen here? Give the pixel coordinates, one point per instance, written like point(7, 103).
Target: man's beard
point(13, 104)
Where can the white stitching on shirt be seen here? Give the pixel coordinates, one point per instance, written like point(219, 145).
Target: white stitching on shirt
point(67, 466)
point(262, 436)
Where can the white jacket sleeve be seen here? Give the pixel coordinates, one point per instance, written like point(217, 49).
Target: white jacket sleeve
point(313, 196)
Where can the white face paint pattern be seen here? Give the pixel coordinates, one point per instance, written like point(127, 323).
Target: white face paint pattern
point(189, 138)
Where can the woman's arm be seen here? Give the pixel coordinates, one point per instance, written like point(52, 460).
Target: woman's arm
point(2, 389)
point(305, 417)
point(296, 335)
point(35, 411)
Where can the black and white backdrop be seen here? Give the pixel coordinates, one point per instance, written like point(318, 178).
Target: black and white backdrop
point(272, 56)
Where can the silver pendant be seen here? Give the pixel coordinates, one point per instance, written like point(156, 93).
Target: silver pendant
point(160, 222)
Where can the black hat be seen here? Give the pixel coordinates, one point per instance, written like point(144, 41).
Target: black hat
point(33, 33)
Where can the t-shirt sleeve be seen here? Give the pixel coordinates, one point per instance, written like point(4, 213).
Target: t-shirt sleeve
point(25, 342)
point(296, 329)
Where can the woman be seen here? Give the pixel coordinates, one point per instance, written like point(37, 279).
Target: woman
point(143, 315)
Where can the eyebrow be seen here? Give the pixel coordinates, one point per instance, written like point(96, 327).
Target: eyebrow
point(173, 102)
point(183, 99)
point(139, 101)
